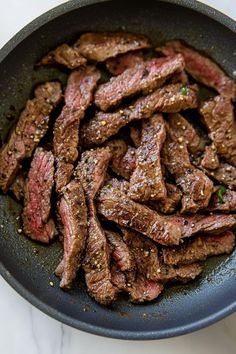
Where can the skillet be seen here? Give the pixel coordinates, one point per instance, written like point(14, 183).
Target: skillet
point(28, 267)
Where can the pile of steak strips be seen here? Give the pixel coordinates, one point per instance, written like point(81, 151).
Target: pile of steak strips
point(141, 170)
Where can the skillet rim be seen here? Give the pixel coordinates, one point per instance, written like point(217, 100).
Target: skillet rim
point(14, 283)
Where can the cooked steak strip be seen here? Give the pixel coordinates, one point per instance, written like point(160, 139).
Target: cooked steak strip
point(120, 252)
point(143, 77)
point(183, 273)
point(225, 174)
point(37, 222)
point(225, 204)
point(91, 171)
point(73, 214)
point(115, 205)
point(142, 290)
point(167, 99)
point(183, 131)
point(202, 68)
point(18, 186)
point(147, 181)
point(136, 133)
point(168, 204)
point(210, 160)
point(64, 55)
point(195, 224)
point(30, 128)
point(119, 64)
point(200, 248)
point(181, 77)
point(104, 45)
point(195, 185)
point(218, 116)
point(78, 97)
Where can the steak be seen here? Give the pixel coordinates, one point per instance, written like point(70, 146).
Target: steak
point(147, 181)
point(120, 252)
point(136, 133)
point(182, 273)
point(201, 68)
point(218, 116)
point(226, 205)
point(195, 185)
point(143, 77)
point(142, 290)
point(116, 206)
point(209, 224)
point(64, 55)
point(78, 97)
point(37, 221)
point(104, 45)
point(200, 248)
point(183, 131)
point(166, 99)
point(224, 174)
point(73, 215)
point(210, 160)
point(18, 186)
point(168, 204)
point(30, 128)
point(119, 64)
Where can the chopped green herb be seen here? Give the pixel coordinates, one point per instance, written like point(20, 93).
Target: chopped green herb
point(220, 194)
point(109, 185)
point(184, 90)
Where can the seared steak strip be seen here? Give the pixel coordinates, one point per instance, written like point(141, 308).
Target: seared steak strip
point(195, 224)
point(143, 77)
point(104, 45)
point(37, 222)
point(224, 174)
point(210, 160)
point(167, 99)
point(200, 248)
point(195, 185)
point(202, 68)
point(120, 252)
point(147, 181)
point(78, 97)
point(73, 214)
point(168, 204)
point(225, 204)
point(64, 55)
point(183, 273)
point(119, 64)
point(115, 205)
point(30, 128)
point(218, 116)
point(91, 171)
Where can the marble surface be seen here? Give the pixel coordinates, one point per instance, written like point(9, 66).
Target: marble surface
point(26, 330)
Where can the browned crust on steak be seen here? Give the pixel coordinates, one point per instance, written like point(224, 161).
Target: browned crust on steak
point(168, 204)
point(210, 160)
point(119, 64)
point(228, 204)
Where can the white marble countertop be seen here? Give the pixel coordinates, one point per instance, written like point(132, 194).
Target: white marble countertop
point(26, 330)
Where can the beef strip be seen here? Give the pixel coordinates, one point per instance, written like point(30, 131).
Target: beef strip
point(120, 252)
point(218, 116)
point(167, 99)
point(181, 77)
point(18, 186)
point(200, 248)
point(73, 214)
point(183, 273)
point(123, 159)
point(183, 131)
point(91, 171)
point(78, 97)
point(195, 224)
point(142, 290)
point(115, 205)
point(168, 204)
point(201, 68)
point(143, 77)
point(224, 174)
point(37, 222)
point(119, 64)
point(195, 185)
point(147, 181)
point(104, 45)
point(210, 160)
point(64, 55)
point(136, 133)
point(227, 205)
point(30, 128)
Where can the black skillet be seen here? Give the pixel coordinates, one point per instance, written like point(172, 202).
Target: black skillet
point(29, 267)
